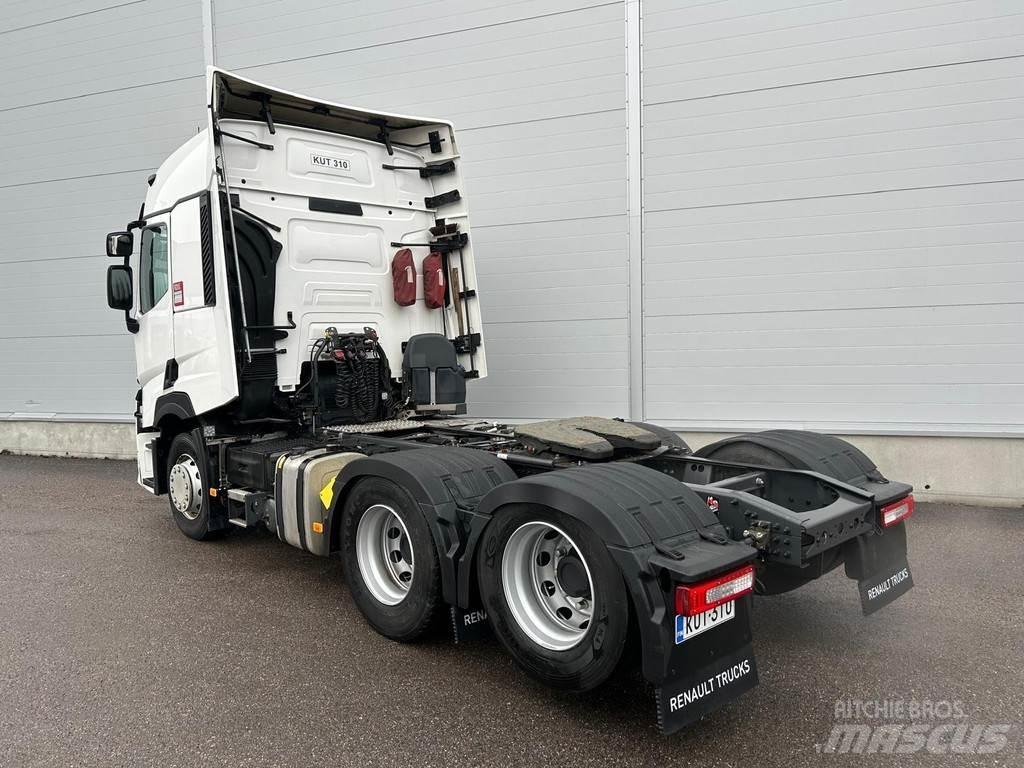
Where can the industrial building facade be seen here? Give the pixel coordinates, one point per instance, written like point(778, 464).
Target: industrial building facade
point(716, 216)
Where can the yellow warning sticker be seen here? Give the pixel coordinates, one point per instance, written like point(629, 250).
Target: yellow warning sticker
point(327, 494)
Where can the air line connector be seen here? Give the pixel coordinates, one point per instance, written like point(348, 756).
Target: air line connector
point(759, 532)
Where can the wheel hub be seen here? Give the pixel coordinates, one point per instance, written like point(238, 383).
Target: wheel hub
point(548, 586)
point(185, 486)
point(572, 576)
point(384, 554)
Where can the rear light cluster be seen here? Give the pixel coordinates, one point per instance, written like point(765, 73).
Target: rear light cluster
point(692, 599)
point(896, 512)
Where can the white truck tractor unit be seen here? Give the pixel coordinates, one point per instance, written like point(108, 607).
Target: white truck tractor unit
point(301, 287)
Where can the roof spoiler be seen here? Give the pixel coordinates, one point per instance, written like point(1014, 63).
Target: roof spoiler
point(233, 97)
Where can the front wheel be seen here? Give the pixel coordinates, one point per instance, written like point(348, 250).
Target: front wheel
point(187, 486)
point(554, 596)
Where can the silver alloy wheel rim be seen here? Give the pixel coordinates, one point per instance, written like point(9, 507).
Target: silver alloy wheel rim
point(539, 603)
point(384, 554)
point(185, 486)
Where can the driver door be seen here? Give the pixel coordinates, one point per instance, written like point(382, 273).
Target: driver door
point(154, 343)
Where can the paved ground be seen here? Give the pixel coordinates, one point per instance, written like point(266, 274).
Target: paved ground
point(123, 643)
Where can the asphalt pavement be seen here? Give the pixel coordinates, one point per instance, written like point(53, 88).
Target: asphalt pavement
point(122, 643)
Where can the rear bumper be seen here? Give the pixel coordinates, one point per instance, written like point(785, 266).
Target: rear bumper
point(839, 520)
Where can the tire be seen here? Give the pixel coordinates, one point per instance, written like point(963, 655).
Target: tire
point(563, 647)
point(188, 487)
point(384, 536)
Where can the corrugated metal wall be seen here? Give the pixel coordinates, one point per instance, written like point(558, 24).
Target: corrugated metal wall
point(94, 95)
point(834, 220)
point(832, 196)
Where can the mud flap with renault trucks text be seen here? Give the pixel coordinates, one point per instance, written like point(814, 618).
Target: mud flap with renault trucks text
point(695, 627)
point(708, 669)
point(879, 564)
point(469, 624)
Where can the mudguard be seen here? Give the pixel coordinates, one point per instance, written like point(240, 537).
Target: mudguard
point(659, 533)
point(446, 482)
point(626, 504)
point(876, 558)
point(798, 449)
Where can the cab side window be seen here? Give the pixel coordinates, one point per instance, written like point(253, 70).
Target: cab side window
point(154, 267)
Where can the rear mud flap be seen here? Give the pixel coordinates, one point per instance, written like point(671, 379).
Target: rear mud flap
point(879, 564)
point(880, 590)
point(469, 624)
point(707, 672)
point(689, 698)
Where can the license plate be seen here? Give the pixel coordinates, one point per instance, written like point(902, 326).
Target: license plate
point(691, 626)
point(330, 163)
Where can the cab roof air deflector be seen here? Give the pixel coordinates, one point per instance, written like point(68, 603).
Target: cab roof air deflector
point(236, 99)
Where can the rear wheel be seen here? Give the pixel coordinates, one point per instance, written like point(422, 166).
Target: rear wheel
point(554, 597)
point(389, 559)
point(187, 486)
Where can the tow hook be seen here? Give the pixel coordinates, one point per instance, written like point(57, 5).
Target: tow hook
point(758, 533)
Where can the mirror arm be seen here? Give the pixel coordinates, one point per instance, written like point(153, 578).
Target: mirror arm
point(130, 322)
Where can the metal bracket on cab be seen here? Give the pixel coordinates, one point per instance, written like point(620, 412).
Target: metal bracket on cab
point(445, 198)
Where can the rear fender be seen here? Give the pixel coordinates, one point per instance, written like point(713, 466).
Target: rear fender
point(802, 543)
point(659, 533)
point(447, 483)
point(799, 449)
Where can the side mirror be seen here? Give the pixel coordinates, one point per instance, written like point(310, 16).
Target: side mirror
point(120, 244)
point(119, 287)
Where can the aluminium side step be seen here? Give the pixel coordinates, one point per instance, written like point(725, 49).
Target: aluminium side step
point(251, 502)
